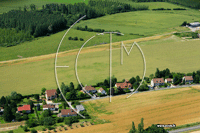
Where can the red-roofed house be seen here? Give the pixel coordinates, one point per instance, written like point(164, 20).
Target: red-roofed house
point(157, 82)
point(51, 94)
point(26, 108)
point(188, 79)
point(90, 89)
point(124, 85)
point(168, 80)
point(68, 113)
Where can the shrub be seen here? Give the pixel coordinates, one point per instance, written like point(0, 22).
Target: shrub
point(60, 129)
point(75, 38)
point(33, 131)
point(10, 131)
point(54, 130)
point(25, 128)
point(43, 129)
point(65, 128)
point(81, 39)
point(70, 38)
point(61, 125)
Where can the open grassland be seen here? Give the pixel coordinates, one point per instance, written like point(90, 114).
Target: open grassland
point(30, 75)
point(174, 106)
point(7, 5)
point(143, 22)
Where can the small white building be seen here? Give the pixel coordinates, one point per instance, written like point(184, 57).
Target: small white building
point(157, 82)
point(102, 91)
point(80, 108)
point(168, 80)
point(1, 109)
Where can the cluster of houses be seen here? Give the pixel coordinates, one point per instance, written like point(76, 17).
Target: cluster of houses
point(161, 81)
point(52, 94)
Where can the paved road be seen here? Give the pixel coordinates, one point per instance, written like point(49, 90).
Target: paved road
point(185, 129)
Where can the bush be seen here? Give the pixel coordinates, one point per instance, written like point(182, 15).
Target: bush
point(43, 129)
point(75, 38)
point(33, 131)
point(61, 125)
point(10, 131)
point(25, 128)
point(70, 38)
point(65, 128)
point(54, 130)
point(81, 39)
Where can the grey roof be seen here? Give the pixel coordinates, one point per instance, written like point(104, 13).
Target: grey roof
point(80, 107)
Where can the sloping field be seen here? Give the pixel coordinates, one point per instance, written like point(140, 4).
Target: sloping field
point(30, 76)
point(7, 5)
point(173, 106)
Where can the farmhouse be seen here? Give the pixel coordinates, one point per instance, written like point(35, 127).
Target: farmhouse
point(90, 89)
point(26, 108)
point(124, 85)
point(102, 91)
point(168, 80)
point(50, 107)
point(188, 79)
point(80, 108)
point(67, 113)
point(157, 82)
point(51, 94)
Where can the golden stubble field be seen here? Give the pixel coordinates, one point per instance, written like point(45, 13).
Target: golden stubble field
point(174, 106)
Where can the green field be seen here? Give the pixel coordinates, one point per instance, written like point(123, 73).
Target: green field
point(7, 5)
point(146, 23)
point(93, 65)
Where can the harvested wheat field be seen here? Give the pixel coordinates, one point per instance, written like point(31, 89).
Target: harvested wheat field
point(173, 106)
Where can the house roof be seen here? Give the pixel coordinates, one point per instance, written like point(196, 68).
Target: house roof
point(124, 85)
point(24, 107)
point(188, 77)
point(89, 88)
point(49, 106)
point(80, 107)
point(51, 92)
point(67, 112)
point(82, 91)
point(158, 80)
point(169, 79)
point(101, 89)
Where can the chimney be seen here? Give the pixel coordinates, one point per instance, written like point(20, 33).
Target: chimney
point(68, 113)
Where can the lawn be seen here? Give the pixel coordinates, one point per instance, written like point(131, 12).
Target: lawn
point(30, 76)
point(155, 107)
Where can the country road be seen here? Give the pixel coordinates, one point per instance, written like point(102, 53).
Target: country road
point(185, 129)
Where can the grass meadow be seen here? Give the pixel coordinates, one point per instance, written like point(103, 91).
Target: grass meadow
point(156, 107)
point(145, 23)
point(31, 75)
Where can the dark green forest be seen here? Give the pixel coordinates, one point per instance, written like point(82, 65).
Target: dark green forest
point(53, 18)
